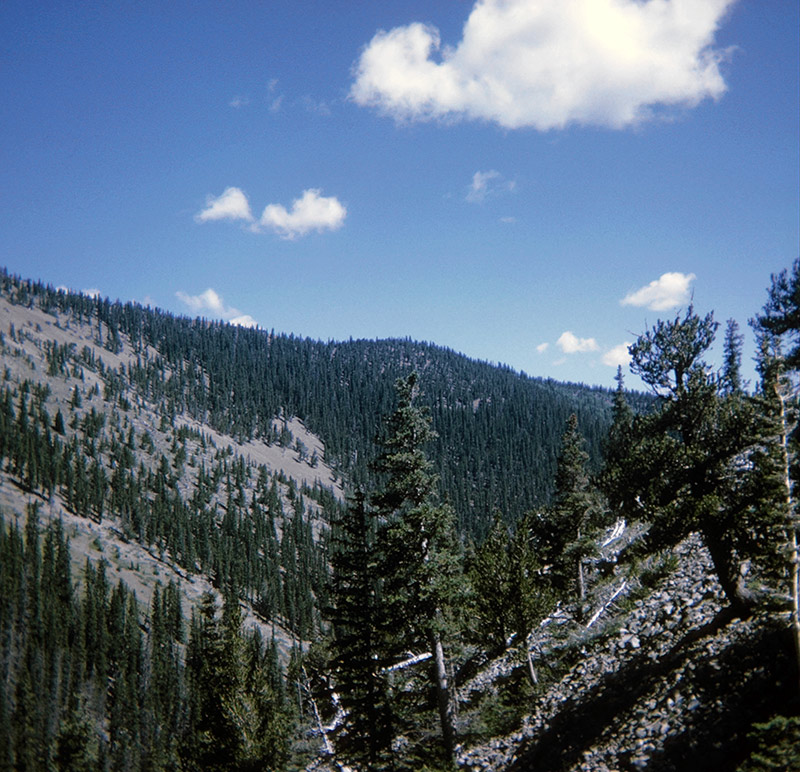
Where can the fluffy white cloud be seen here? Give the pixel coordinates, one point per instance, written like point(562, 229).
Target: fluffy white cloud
point(617, 356)
point(212, 302)
point(231, 205)
point(668, 291)
point(571, 344)
point(549, 63)
point(488, 184)
point(311, 212)
point(542, 347)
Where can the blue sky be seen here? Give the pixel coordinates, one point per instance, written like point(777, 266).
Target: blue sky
point(532, 182)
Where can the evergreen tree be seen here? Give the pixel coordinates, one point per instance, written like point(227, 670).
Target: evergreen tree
point(212, 743)
point(418, 551)
point(356, 643)
point(76, 746)
point(491, 581)
point(576, 514)
point(780, 316)
point(778, 331)
point(680, 468)
point(236, 720)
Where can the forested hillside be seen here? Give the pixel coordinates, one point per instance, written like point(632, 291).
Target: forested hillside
point(498, 430)
point(229, 549)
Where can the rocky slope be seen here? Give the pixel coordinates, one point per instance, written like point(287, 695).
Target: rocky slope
point(664, 680)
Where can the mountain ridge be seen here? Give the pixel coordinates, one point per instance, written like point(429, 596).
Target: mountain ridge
point(483, 414)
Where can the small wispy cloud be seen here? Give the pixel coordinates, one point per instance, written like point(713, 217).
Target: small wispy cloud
point(315, 106)
point(668, 291)
point(569, 343)
point(617, 356)
point(240, 100)
point(488, 184)
point(310, 212)
point(211, 302)
point(275, 99)
point(542, 347)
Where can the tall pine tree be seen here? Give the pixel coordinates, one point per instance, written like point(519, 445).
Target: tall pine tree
point(419, 557)
point(357, 659)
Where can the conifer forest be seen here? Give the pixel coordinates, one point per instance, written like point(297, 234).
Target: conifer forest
point(225, 548)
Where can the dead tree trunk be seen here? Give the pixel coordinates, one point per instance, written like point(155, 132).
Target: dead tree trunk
point(443, 700)
point(794, 552)
point(531, 669)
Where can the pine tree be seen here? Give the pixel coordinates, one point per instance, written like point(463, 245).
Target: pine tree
point(356, 643)
point(212, 742)
point(778, 330)
point(680, 467)
point(780, 317)
point(76, 747)
point(491, 580)
point(236, 720)
point(576, 513)
point(419, 556)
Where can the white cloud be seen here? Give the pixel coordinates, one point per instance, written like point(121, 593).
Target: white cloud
point(488, 184)
point(212, 302)
point(550, 63)
point(310, 212)
point(206, 301)
point(245, 320)
point(617, 356)
point(92, 292)
point(571, 344)
point(231, 205)
point(668, 291)
point(542, 347)
point(239, 101)
point(480, 185)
